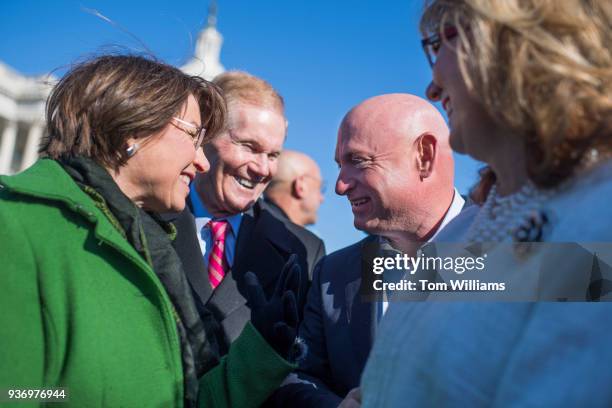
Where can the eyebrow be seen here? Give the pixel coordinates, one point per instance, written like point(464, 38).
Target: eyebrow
point(338, 157)
point(348, 155)
point(255, 143)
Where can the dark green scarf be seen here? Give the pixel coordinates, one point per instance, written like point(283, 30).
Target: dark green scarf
point(152, 238)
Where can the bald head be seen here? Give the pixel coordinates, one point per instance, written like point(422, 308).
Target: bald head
point(292, 163)
point(296, 187)
point(396, 165)
point(404, 115)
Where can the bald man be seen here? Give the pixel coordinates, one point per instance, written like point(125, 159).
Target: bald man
point(396, 170)
point(297, 188)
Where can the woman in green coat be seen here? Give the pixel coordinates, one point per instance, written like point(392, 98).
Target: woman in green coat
point(93, 297)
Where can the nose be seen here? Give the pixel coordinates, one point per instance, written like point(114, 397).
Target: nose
point(201, 162)
point(344, 183)
point(433, 92)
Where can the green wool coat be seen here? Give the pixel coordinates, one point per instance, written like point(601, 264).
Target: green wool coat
point(81, 309)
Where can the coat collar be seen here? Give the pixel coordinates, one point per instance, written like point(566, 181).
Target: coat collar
point(47, 180)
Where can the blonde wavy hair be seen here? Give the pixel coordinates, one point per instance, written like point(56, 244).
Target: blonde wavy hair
point(240, 86)
point(542, 68)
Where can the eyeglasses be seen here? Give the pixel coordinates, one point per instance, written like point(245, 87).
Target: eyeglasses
point(197, 134)
point(431, 45)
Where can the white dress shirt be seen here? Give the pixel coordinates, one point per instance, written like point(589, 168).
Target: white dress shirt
point(454, 210)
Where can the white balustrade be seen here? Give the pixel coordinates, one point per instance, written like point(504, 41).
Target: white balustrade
point(7, 147)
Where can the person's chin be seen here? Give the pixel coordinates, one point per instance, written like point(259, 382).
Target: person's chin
point(241, 205)
point(372, 225)
point(179, 199)
point(178, 206)
point(360, 223)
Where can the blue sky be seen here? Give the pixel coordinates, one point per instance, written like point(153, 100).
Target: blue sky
point(324, 57)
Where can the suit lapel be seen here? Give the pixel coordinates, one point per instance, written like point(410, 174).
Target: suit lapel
point(262, 247)
point(188, 248)
point(361, 313)
point(226, 297)
point(258, 250)
point(247, 225)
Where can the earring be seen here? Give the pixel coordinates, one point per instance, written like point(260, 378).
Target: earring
point(131, 150)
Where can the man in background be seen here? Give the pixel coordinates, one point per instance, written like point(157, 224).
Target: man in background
point(297, 188)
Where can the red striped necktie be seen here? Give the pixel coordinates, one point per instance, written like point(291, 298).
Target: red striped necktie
point(217, 263)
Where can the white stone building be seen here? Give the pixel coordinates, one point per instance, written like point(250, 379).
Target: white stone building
point(206, 60)
point(22, 115)
point(23, 98)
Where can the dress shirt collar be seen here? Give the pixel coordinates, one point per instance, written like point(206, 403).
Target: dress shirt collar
point(202, 215)
point(454, 210)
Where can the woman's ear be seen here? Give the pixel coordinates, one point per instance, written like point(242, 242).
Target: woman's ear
point(131, 147)
point(426, 147)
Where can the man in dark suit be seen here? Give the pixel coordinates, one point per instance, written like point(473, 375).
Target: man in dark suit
point(396, 169)
point(226, 229)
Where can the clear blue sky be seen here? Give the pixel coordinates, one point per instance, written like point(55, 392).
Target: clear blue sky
point(323, 56)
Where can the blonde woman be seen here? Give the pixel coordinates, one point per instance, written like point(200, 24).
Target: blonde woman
point(527, 88)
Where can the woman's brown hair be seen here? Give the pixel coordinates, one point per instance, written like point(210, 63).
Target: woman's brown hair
point(102, 102)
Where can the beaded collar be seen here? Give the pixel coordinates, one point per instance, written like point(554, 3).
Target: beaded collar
point(515, 217)
point(520, 217)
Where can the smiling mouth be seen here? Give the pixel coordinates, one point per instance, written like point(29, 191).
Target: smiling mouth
point(359, 202)
point(245, 183)
point(185, 179)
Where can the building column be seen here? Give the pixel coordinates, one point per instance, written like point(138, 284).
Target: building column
point(9, 135)
point(30, 153)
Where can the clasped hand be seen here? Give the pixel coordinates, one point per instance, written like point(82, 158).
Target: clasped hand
point(276, 318)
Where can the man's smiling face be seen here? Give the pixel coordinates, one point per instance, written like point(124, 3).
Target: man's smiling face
point(243, 159)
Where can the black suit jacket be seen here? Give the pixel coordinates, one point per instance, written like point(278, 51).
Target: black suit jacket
point(263, 245)
point(338, 328)
point(275, 210)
